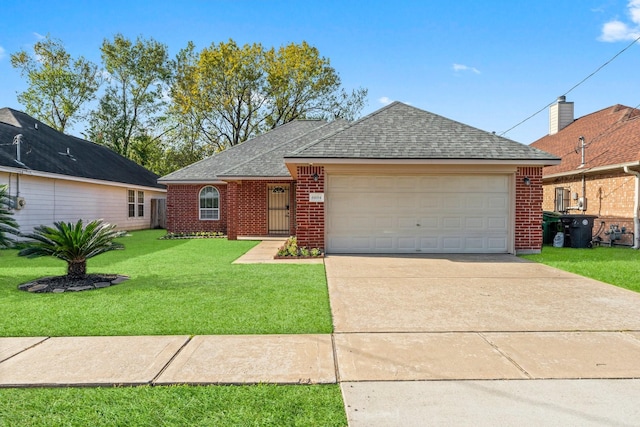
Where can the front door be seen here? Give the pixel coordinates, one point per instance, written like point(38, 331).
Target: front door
point(278, 207)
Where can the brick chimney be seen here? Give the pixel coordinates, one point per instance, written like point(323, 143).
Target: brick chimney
point(560, 115)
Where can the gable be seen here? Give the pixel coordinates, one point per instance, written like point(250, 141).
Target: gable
point(612, 138)
point(399, 131)
point(44, 149)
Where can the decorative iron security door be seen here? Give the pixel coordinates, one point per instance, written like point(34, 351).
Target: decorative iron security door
point(278, 207)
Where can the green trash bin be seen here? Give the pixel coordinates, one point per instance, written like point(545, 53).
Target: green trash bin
point(550, 226)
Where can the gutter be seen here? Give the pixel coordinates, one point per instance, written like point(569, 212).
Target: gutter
point(593, 170)
point(636, 207)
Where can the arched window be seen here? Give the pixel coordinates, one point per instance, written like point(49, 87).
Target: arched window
point(209, 203)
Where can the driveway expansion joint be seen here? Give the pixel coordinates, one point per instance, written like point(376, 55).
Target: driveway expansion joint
point(506, 356)
point(164, 368)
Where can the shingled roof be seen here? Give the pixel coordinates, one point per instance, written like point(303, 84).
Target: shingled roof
point(261, 156)
point(400, 131)
point(612, 136)
point(44, 149)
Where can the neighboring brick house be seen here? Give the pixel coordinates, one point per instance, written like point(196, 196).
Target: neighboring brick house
point(400, 180)
point(598, 174)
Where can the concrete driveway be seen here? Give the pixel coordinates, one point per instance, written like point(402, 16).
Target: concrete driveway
point(403, 324)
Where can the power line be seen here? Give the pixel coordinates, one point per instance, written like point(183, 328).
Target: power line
point(574, 86)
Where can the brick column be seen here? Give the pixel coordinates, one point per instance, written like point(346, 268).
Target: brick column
point(528, 227)
point(232, 211)
point(310, 215)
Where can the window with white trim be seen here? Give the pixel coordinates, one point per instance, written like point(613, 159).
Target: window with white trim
point(209, 203)
point(135, 202)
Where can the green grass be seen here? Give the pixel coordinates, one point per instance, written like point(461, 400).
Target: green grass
point(618, 266)
point(176, 287)
point(261, 405)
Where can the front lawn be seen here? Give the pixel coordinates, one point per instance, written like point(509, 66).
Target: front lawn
point(261, 405)
point(177, 287)
point(618, 266)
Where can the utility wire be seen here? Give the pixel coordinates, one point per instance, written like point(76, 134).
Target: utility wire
point(614, 127)
point(574, 86)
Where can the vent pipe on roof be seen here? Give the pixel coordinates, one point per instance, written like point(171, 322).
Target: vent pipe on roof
point(560, 115)
point(16, 141)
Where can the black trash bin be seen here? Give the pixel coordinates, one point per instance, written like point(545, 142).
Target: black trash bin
point(578, 230)
point(550, 226)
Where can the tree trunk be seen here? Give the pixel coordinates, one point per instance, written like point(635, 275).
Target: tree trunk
point(77, 269)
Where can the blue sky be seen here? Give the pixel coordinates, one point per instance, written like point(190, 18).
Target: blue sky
point(489, 64)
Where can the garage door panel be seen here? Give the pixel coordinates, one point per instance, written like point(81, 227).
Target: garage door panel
point(407, 243)
point(474, 243)
point(452, 244)
point(406, 223)
point(452, 223)
point(497, 243)
point(429, 223)
point(425, 214)
point(428, 244)
point(474, 223)
point(453, 202)
point(496, 223)
point(384, 222)
point(498, 203)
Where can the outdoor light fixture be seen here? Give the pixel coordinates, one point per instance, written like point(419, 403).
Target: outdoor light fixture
point(526, 180)
point(315, 177)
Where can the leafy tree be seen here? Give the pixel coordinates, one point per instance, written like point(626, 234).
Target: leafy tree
point(58, 84)
point(73, 243)
point(237, 92)
point(302, 84)
point(8, 224)
point(223, 85)
point(134, 98)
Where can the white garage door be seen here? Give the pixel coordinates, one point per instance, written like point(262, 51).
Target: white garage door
point(418, 214)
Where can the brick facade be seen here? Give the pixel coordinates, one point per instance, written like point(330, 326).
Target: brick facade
point(252, 207)
point(528, 227)
point(183, 209)
point(243, 208)
point(310, 219)
point(609, 196)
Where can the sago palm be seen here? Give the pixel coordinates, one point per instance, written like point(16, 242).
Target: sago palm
point(73, 243)
point(8, 225)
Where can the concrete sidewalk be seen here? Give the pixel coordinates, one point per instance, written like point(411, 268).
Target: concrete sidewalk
point(162, 360)
point(317, 359)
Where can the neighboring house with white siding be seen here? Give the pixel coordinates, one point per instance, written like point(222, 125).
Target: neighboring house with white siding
point(56, 177)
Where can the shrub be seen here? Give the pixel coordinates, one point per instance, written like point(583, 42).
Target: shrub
point(291, 249)
point(73, 243)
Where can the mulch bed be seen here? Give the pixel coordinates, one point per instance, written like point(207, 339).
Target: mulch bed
point(60, 284)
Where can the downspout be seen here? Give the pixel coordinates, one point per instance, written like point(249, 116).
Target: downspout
point(636, 207)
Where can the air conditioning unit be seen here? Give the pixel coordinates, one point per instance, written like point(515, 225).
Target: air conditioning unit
point(17, 203)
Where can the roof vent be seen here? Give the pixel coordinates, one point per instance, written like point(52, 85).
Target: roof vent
point(560, 115)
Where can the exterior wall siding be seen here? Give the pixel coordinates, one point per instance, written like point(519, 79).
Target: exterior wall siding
point(310, 218)
point(50, 200)
point(183, 209)
point(609, 196)
point(528, 210)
